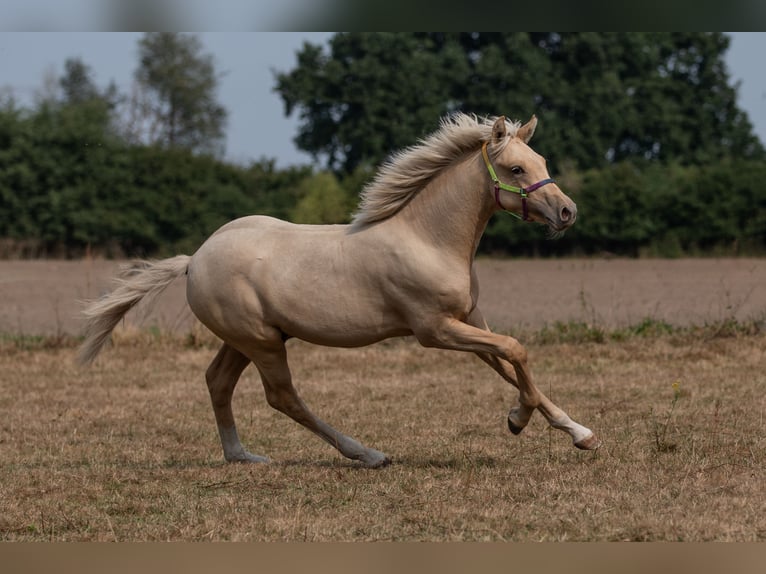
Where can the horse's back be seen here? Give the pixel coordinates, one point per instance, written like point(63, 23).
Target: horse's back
point(259, 241)
point(265, 223)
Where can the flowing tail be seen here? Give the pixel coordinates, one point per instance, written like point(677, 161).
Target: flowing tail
point(140, 280)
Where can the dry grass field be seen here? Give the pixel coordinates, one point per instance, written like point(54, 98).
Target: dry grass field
point(127, 449)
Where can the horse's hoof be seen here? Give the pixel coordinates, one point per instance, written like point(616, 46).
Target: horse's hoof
point(514, 428)
point(590, 442)
point(372, 458)
point(381, 463)
point(518, 417)
point(247, 458)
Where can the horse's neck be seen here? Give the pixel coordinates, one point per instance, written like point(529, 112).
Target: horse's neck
point(452, 211)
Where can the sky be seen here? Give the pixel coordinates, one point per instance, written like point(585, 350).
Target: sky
point(257, 126)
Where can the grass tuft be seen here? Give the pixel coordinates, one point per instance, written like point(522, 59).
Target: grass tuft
point(579, 332)
point(570, 332)
point(660, 428)
point(574, 332)
point(10, 341)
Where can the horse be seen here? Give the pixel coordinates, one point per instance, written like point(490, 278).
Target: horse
point(403, 266)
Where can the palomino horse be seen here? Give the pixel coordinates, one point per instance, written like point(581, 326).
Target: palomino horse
point(404, 266)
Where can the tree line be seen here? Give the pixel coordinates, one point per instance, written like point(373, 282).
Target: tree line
point(642, 130)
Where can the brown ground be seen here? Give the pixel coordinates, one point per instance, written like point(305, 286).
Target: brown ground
point(127, 449)
point(42, 297)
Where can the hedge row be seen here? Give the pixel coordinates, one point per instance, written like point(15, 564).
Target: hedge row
point(653, 210)
point(67, 186)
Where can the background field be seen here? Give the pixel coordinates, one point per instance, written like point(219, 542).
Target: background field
point(663, 359)
point(43, 296)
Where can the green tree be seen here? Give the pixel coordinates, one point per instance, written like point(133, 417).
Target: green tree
point(56, 164)
point(372, 94)
point(178, 83)
point(275, 192)
point(323, 200)
point(78, 87)
point(602, 98)
point(626, 96)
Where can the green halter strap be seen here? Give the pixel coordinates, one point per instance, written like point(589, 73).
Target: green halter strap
point(522, 191)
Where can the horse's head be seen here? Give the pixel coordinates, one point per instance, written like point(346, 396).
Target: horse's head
point(521, 182)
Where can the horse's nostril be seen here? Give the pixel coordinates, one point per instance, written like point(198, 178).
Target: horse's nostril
point(566, 214)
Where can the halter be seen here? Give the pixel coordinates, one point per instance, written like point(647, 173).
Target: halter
point(522, 191)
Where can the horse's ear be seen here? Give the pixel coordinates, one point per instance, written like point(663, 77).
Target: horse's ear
point(499, 130)
point(527, 130)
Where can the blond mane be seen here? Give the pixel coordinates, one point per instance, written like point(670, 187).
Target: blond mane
point(401, 177)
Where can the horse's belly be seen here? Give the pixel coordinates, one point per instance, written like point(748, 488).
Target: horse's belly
point(331, 312)
point(349, 338)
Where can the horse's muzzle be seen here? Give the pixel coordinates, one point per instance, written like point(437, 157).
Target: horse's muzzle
point(568, 215)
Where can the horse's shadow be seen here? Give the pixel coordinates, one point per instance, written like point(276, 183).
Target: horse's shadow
point(452, 462)
point(457, 463)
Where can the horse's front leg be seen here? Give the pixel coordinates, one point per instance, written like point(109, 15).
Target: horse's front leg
point(519, 415)
point(501, 352)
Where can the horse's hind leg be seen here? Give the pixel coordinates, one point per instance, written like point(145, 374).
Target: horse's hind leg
point(280, 393)
point(222, 376)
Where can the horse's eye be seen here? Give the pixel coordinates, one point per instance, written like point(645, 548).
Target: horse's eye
point(517, 170)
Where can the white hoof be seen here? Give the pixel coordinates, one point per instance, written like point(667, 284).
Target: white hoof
point(588, 443)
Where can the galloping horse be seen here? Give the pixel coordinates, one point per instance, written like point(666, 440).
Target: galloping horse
point(403, 266)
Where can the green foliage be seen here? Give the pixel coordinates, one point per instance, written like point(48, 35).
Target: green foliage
point(374, 94)
point(68, 182)
point(642, 130)
point(602, 98)
point(51, 165)
point(650, 327)
point(646, 208)
point(78, 87)
point(671, 210)
point(323, 201)
point(580, 332)
point(180, 83)
point(570, 332)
